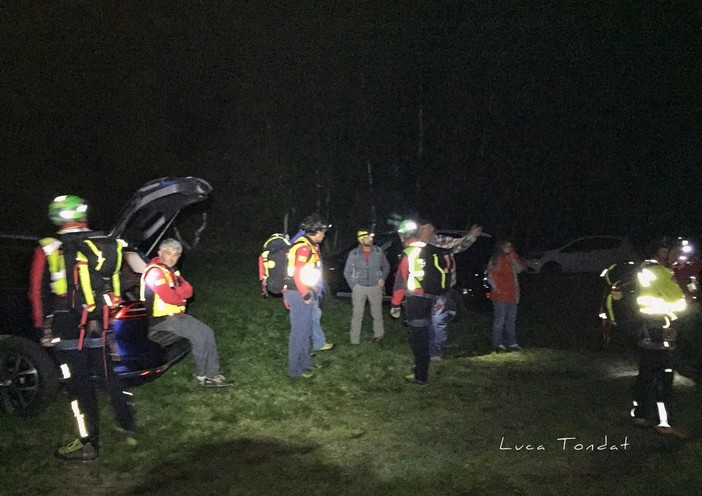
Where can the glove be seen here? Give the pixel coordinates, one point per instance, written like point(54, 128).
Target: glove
point(395, 312)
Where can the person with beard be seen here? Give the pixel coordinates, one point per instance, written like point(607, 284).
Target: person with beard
point(366, 271)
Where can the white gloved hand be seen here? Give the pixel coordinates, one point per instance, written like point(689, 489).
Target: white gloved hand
point(395, 312)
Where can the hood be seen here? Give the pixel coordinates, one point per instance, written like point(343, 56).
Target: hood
point(152, 209)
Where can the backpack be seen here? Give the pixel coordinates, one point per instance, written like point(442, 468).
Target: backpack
point(94, 279)
point(272, 264)
point(435, 278)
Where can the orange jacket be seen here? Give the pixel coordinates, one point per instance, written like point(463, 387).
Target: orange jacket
point(502, 276)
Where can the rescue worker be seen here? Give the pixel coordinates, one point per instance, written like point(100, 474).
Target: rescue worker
point(659, 299)
point(414, 273)
point(73, 332)
point(303, 276)
point(319, 337)
point(166, 293)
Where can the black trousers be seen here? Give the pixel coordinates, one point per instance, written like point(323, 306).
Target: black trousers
point(654, 384)
point(83, 365)
point(418, 312)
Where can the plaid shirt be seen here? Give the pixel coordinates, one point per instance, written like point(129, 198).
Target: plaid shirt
point(453, 245)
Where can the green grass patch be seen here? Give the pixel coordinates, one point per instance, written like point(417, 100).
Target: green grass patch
point(358, 428)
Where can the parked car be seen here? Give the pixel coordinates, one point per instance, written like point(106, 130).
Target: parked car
point(585, 254)
point(29, 375)
point(471, 265)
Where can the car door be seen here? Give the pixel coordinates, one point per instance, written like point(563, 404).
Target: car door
point(152, 209)
point(572, 257)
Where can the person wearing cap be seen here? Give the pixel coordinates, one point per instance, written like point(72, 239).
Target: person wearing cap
point(366, 271)
point(302, 276)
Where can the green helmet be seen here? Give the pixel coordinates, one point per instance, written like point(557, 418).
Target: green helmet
point(67, 208)
point(408, 228)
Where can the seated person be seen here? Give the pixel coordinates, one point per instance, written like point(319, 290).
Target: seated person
point(165, 292)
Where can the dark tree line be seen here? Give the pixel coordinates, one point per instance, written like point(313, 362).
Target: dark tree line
point(538, 120)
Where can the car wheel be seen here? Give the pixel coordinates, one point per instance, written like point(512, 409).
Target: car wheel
point(551, 268)
point(28, 376)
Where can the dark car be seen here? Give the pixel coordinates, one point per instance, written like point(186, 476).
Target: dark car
point(29, 375)
point(470, 264)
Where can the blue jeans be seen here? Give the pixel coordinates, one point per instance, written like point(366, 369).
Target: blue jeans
point(443, 312)
point(504, 324)
point(318, 337)
point(299, 359)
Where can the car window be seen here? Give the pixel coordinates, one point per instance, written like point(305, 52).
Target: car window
point(590, 244)
point(607, 243)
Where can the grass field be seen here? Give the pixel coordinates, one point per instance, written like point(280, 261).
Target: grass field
point(357, 428)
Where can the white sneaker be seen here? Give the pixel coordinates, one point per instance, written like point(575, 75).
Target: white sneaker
point(217, 381)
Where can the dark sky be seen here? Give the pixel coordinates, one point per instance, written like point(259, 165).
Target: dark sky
point(538, 119)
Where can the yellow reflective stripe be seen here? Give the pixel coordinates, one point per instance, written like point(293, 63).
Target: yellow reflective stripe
point(441, 271)
point(84, 278)
point(116, 282)
point(610, 309)
point(97, 252)
point(57, 270)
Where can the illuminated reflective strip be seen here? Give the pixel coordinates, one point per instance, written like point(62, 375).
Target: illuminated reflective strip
point(52, 246)
point(80, 419)
point(65, 371)
point(662, 414)
point(658, 306)
point(646, 277)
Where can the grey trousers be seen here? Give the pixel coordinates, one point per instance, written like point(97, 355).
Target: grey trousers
point(201, 339)
point(359, 295)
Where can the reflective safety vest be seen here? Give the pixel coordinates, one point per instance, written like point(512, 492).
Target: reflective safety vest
point(57, 265)
point(658, 293)
point(160, 308)
point(311, 273)
point(425, 270)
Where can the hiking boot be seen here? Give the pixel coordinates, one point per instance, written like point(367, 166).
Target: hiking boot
point(670, 431)
point(378, 341)
point(514, 347)
point(307, 374)
point(77, 451)
point(128, 436)
point(326, 347)
point(216, 381)
point(500, 348)
point(412, 380)
point(436, 358)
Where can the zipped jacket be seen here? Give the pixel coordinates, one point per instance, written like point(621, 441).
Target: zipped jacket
point(366, 271)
